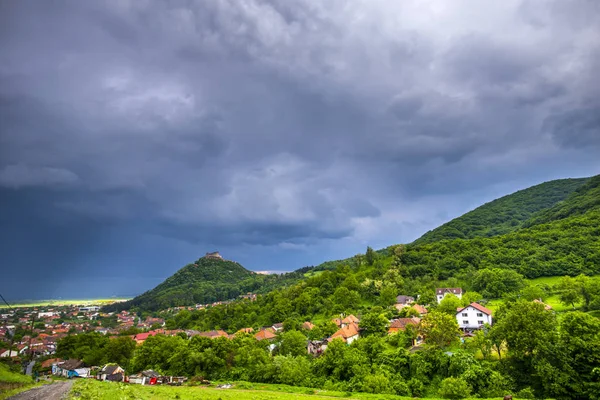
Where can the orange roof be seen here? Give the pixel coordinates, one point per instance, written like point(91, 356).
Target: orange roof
point(350, 319)
point(245, 330)
point(308, 325)
point(346, 332)
point(420, 309)
point(214, 334)
point(477, 307)
point(265, 334)
point(48, 363)
point(546, 306)
point(402, 323)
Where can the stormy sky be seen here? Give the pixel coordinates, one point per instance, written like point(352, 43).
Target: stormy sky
point(137, 135)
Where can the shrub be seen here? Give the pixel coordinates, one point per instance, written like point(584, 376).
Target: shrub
point(526, 393)
point(454, 388)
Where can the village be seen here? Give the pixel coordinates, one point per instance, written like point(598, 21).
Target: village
point(29, 334)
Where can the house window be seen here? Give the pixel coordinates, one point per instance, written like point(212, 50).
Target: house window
point(480, 322)
point(465, 314)
point(465, 322)
point(480, 314)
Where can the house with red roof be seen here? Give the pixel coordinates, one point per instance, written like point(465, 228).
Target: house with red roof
point(348, 333)
point(265, 334)
point(141, 337)
point(473, 316)
point(400, 324)
point(350, 319)
point(214, 334)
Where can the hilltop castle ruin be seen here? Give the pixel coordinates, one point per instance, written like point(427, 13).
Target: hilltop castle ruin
point(214, 255)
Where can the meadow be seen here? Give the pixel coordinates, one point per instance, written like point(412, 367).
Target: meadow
point(91, 389)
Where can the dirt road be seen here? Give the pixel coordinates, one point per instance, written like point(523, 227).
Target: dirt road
point(54, 391)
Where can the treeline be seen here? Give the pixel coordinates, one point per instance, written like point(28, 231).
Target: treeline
point(526, 352)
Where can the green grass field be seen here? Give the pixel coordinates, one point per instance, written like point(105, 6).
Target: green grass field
point(12, 383)
point(88, 389)
point(64, 302)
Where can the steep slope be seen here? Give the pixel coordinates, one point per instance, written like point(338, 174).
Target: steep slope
point(205, 281)
point(566, 246)
point(506, 214)
point(582, 200)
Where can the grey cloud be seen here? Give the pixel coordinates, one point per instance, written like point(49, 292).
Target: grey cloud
point(20, 175)
point(267, 122)
point(579, 128)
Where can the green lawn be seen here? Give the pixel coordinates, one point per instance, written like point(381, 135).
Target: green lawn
point(88, 389)
point(311, 274)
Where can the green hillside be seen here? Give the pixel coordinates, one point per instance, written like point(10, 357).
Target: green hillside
point(569, 246)
point(505, 214)
point(206, 281)
point(582, 200)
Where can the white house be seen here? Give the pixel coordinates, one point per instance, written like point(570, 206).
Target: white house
point(89, 309)
point(473, 316)
point(8, 353)
point(440, 293)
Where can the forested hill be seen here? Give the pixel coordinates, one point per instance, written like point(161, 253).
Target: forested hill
point(205, 281)
point(506, 214)
point(581, 201)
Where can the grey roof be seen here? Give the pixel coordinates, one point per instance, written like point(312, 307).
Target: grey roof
point(71, 364)
point(109, 369)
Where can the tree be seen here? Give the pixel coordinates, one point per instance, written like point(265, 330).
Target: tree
point(497, 282)
point(370, 256)
point(580, 341)
point(482, 342)
point(293, 343)
point(120, 350)
point(345, 299)
point(454, 388)
point(374, 324)
point(449, 304)
point(387, 296)
point(532, 292)
point(470, 297)
point(528, 329)
point(292, 370)
point(580, 289)
point(439, 329)
point(569, 291)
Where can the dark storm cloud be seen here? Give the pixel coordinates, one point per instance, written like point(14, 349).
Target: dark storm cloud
point(578, 128)
point(266, 127)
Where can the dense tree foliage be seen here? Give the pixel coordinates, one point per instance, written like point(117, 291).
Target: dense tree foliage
point(505, 214)
point(97, 349)
point(582, 200)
